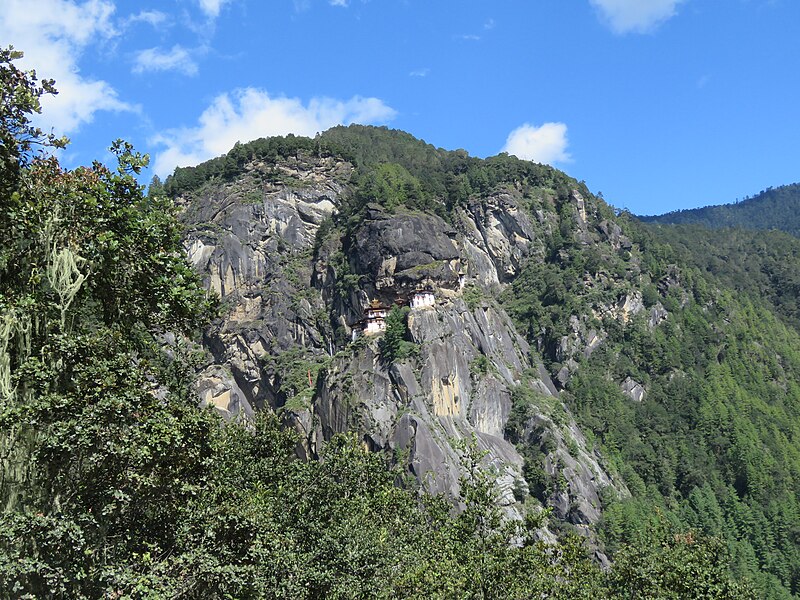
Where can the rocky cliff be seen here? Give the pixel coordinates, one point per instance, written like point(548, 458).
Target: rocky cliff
point(296, 265)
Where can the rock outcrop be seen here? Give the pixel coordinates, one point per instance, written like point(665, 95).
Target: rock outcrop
point(395, 253)
point(294, 287)
point(252, 241)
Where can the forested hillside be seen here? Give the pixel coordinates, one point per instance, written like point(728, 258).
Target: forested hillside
point(583, 392)
point(712, 441)
point(763, 265)
point(773, 208)
point(686, 385)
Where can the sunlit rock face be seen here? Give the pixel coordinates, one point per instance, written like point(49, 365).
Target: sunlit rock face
point(295, 288)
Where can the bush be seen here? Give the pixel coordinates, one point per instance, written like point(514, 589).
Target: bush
point(395, 345)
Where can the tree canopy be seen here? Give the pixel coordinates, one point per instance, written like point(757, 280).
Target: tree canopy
point(772, 208)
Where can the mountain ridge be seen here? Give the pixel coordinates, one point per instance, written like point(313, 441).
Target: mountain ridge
point(772, 208)
point(637, 342)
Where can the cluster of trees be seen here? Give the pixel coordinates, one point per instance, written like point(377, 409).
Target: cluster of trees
point(395, 345)
point(447, 178)
point(763, 265)
point(714, 442)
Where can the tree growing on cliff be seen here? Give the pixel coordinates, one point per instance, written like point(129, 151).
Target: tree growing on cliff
point(395, 345)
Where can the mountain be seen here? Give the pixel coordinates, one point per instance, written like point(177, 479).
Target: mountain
point(774, 208)
point(763, 265)
point(299, 264)
point(369, 318)
point(610, 380)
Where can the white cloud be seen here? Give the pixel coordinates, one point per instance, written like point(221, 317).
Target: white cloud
point(251, 113)
point(157, 59)
point(153, 18)
point(342, 3)
point(301, 6)
point(545, 144)
point(420, 72)
point(638, 16)
point(212, 8)
point(53, 36)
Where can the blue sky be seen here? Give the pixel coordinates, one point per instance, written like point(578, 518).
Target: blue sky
point(658, 104)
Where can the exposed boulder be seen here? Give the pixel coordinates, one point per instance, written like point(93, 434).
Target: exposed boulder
point(218, 389)
point(633, 389)
point(397, 252)
point(503, 230)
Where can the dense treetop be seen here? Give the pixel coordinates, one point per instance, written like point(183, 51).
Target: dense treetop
point(773, 208)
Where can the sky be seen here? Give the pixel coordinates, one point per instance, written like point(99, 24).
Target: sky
point(659, 105)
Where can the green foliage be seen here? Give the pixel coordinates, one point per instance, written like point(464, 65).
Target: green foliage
point(714, 440)
point(773, 208)
point(670, 564)
point(390, 185)
point(714, 436)
point(444, 179)
point(101, 447)
point(764, 265)
point(473, 296)
point(395, 344)
point(297, 372)
point(20, 94)
point(525, 403)
point(480, 366)
point(346, 280)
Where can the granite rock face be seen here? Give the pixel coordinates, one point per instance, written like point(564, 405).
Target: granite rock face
point(252, 241)
point(397, 252)
point(502, 231)
point(294, 289)
point(424, 405)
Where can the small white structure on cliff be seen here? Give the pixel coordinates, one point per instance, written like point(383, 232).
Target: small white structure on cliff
point(423, 298)
point(375, 318)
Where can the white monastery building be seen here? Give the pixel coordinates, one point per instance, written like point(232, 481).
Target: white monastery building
point(423, 299)
point(375, 318)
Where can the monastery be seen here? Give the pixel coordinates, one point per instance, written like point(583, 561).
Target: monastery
point(375, 314)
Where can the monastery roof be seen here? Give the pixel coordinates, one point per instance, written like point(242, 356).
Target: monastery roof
point(376, 305)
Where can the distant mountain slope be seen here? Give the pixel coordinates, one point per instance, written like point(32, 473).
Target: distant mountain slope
point(764, 265)
point(774, 208)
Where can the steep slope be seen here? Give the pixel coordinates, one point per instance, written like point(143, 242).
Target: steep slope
point(773, 208)
point(586, 357)
point(296, 283)
point(764, 265)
